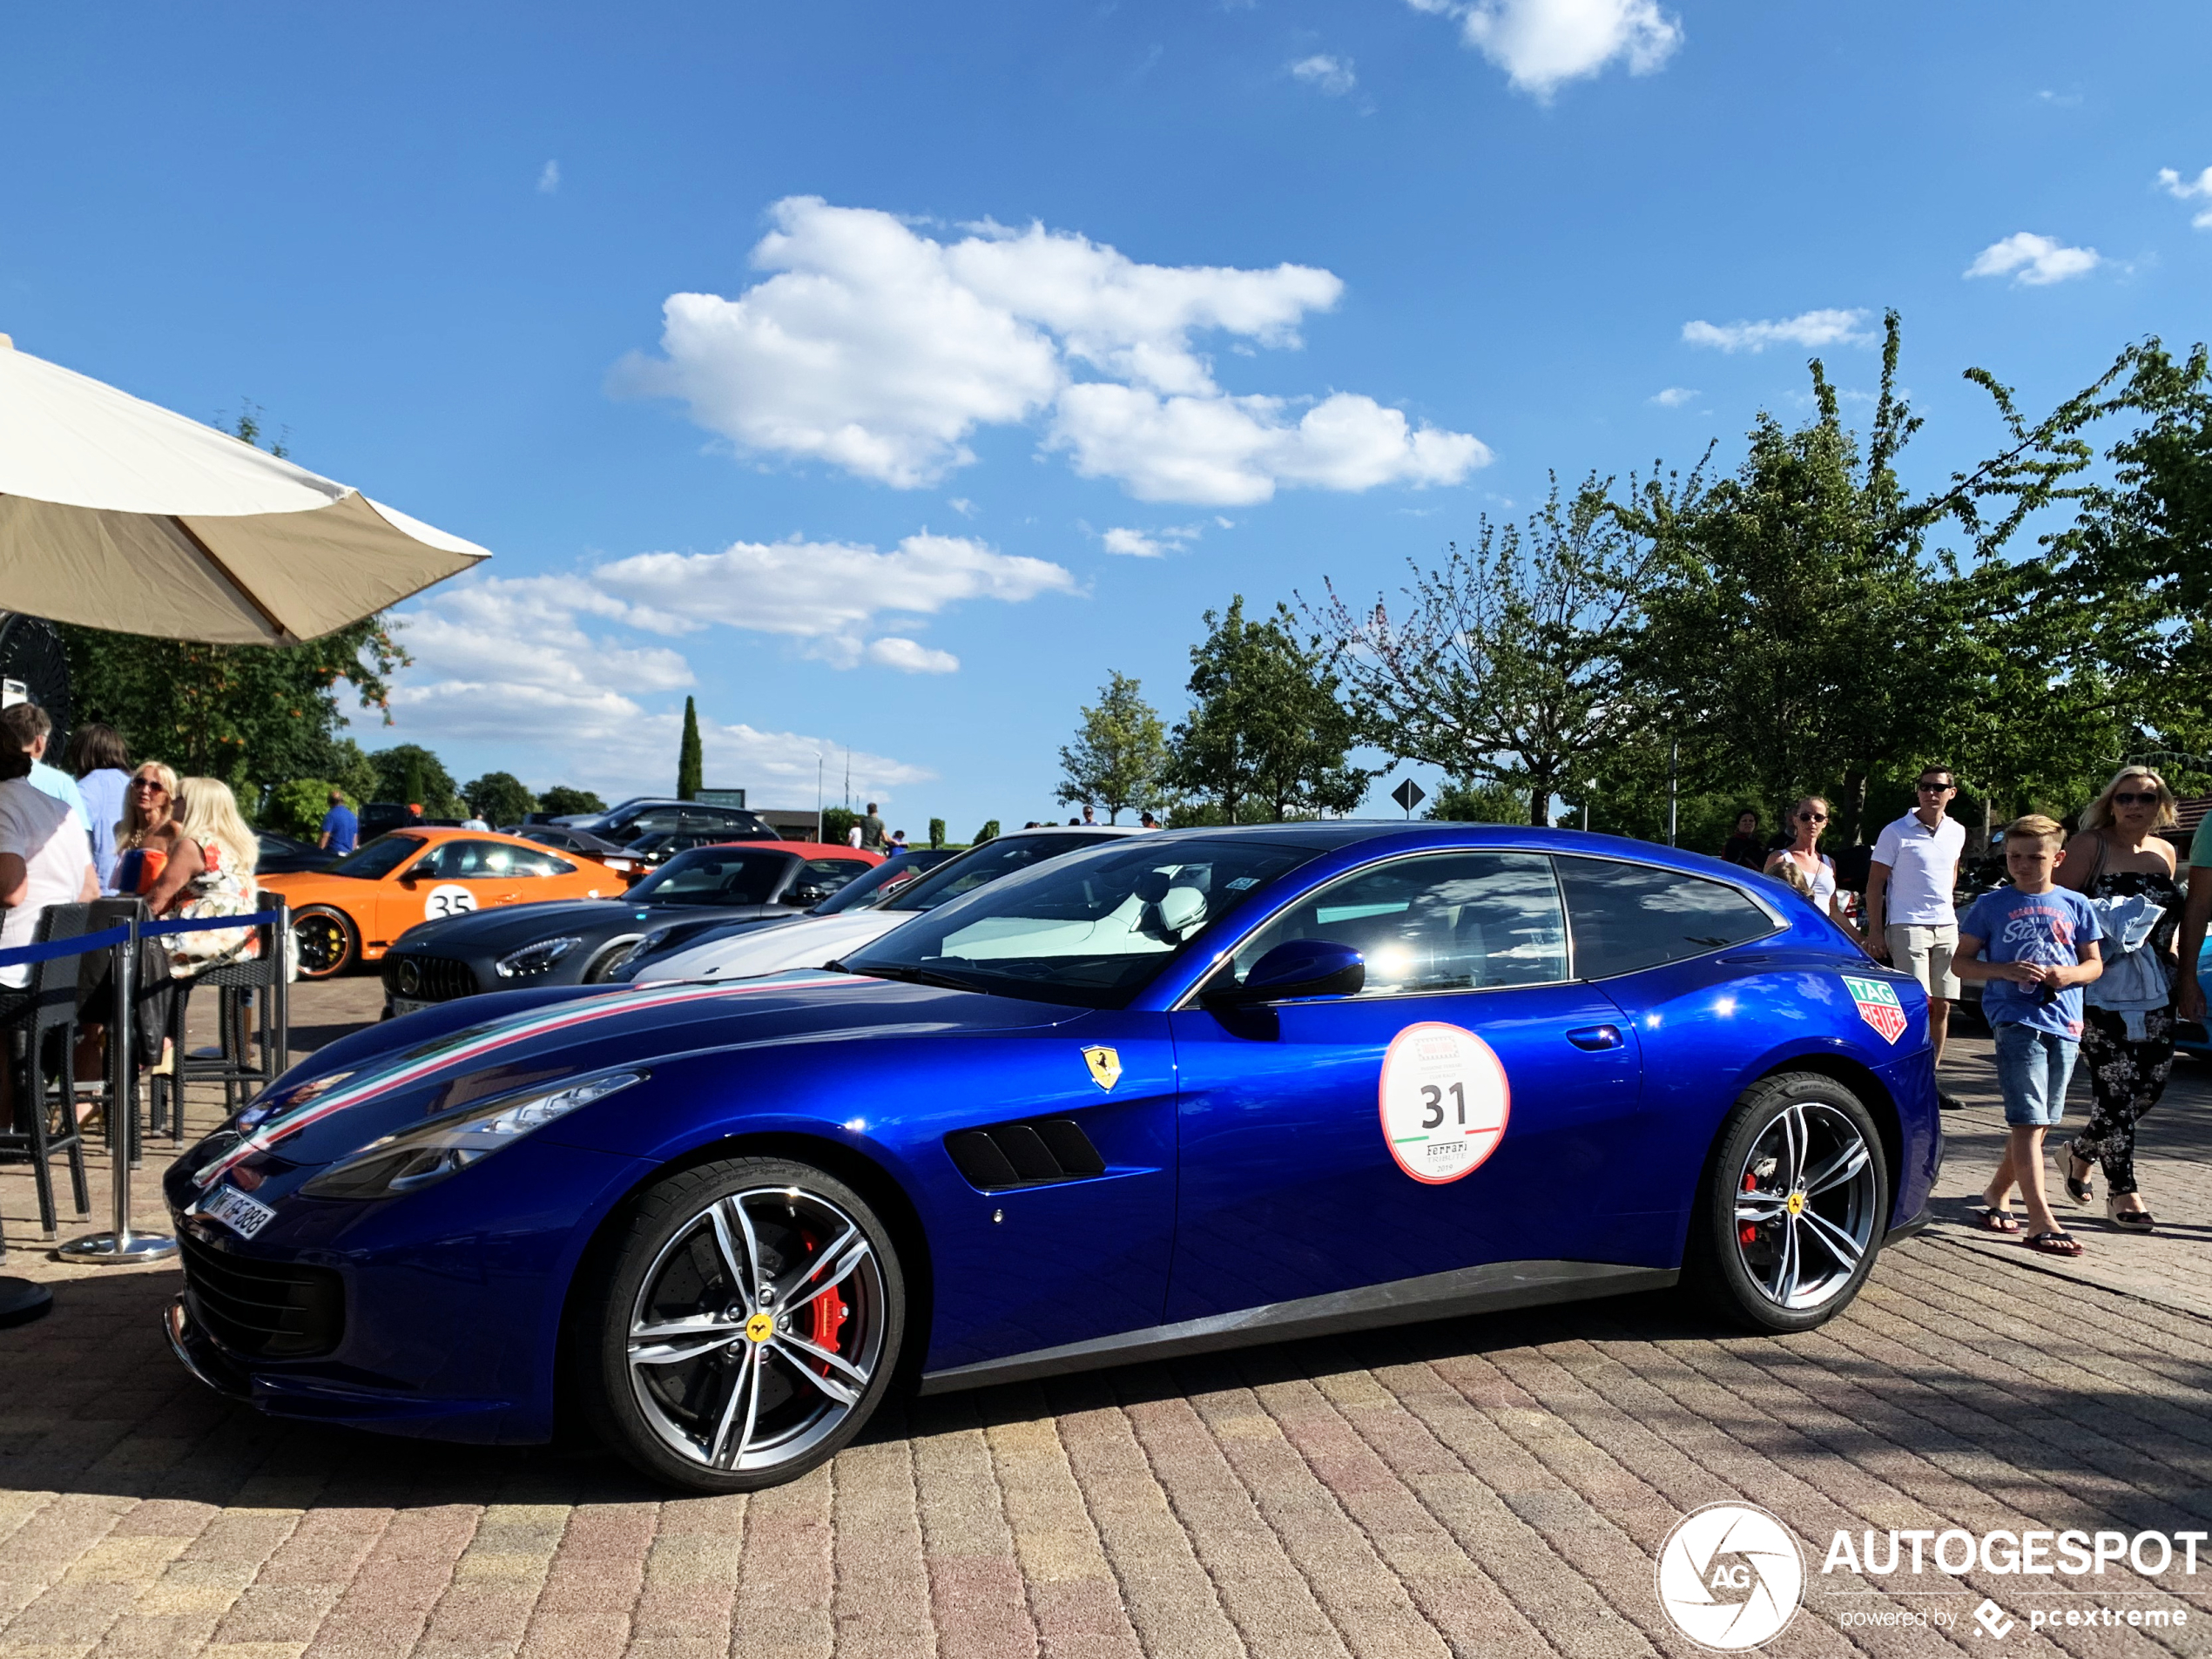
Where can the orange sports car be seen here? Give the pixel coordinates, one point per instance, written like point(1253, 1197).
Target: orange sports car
point(353, 911)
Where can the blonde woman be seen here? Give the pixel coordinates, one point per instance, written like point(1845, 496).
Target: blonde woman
point(2123, 867)
point(154, 859)
point(228, 851)
point(1804, 866)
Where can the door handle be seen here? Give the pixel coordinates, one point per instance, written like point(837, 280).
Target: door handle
point(1596, 1038)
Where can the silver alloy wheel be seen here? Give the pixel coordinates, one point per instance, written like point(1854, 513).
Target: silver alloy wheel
point(757, 1329)
point(1805, 1200)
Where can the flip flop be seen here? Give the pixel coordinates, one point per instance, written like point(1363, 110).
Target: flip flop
point(2080, 1192)
point(1990, 1219)
point(2056, 1244)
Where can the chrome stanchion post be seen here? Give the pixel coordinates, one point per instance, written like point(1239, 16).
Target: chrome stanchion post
point(121, 1244)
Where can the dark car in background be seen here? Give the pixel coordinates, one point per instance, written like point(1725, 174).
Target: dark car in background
point(575, 943)
point(288, 855)
point(658, 815)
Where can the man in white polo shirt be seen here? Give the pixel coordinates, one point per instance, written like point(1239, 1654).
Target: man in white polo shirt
point(1909, 920)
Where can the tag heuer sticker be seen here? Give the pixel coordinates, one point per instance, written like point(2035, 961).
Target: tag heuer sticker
point(1878, 1005)
point(1105, 1066)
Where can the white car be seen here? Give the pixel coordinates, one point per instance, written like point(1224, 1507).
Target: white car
point(812, 941)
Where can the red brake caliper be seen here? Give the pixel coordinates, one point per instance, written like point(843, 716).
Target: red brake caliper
point(1750, 1234)
point(829, 1317)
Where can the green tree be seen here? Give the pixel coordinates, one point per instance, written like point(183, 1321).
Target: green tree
point(1266, 735)
point(499, 798)
point(408, 772)
point(988, 832)
point(1512, 661)
point(561, 801)
point(936, 832)
point(1486, 800)
point(297, 807)
point(1118, 753)
point(690, 759)
point(351, 770)
point(837, 824)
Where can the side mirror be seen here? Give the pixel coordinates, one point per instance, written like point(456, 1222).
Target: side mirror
point(1298, 968)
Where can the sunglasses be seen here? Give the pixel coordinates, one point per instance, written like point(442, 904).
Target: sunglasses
point(1813, 818)
point(2128, 798)
point(148, 783)
point(1928, 788)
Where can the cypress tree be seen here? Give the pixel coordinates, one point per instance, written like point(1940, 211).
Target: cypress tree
point(690, 759)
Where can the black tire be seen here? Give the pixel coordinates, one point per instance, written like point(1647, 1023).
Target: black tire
point(594, 971)
point(1795, 1133)
point(327, 940)
point(665, 1338)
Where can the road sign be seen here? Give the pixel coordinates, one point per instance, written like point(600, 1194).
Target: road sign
point(1409, 795)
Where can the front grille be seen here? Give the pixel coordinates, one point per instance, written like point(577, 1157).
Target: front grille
point(1034, 1154)
point(428, 979)
point(263, 1310)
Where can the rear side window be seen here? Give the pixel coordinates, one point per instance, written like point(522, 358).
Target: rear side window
point(1630, 916)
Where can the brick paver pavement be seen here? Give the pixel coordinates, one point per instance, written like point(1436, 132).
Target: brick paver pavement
point(1477, 1487)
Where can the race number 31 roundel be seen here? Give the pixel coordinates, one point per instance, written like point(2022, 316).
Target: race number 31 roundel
point(1445, 1100)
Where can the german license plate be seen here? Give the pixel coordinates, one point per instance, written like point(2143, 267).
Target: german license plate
point(408, 1005)
point(242, 1215)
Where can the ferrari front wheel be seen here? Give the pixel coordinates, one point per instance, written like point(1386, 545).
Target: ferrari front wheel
point(326, 940)
point(1789, 1223)
point(742, 1327)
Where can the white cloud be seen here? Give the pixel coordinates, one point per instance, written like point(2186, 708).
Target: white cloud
point(2037, 261)
point(1332, 76)
point(909, 656)
point(1829, 328)
point(1158, 543)
point(881, 351)
point(1673, 397)
point(1234, 451)
point(1543, 43)
point(828, 593)
point(2180, 189)
point(549, 179)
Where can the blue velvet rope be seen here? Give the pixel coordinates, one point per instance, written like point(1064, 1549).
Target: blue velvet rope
point(84, 944)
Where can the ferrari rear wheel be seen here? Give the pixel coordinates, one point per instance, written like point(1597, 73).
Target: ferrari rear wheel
point(743, 1327)
point(1788, 1227)
point(327, 942)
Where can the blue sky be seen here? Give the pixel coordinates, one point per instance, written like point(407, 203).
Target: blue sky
point(1098, 315)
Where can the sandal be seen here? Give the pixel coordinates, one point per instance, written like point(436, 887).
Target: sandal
point(1989, 1218)
point(2129, 1221)
point(2056, 1244)
point(2080, 1192)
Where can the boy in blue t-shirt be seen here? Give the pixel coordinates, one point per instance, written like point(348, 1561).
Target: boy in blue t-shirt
point(2034, 946)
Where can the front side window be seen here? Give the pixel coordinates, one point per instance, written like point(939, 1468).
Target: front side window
point(1091, 931)
point(1447, 921)
point(527, 861)
point(1632, 916)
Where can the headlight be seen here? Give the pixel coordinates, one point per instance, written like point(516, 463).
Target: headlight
point(652, 941)
point(536, 959)
point(430, 1151)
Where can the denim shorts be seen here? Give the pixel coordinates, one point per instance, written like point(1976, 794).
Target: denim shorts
point(2033, 1069)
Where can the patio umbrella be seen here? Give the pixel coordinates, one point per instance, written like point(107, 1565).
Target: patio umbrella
point(118, 513)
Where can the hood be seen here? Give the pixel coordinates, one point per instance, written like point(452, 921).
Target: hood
point(307, 1122)
point(510, 926)
point(807, 942)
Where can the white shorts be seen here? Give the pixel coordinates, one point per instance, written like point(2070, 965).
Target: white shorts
point(1925, 953)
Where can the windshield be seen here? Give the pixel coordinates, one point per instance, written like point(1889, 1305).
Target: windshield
point(988, 863)
point(713, 875)
point(863, 892)
point(378, 859)
point(1092, 931)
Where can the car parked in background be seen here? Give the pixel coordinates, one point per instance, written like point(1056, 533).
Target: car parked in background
point(810, 941)
point(863, 892)
point(288, 855)
point(576, 943)
point(561, 839)
point(353, 911)
point(655, 814)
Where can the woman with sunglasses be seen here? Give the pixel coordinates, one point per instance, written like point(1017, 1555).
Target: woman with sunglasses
point(1815, 870)
point(2120, 865)
point(156, 861)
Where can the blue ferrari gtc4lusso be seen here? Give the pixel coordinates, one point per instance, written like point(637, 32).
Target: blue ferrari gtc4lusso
point(1177, 1092)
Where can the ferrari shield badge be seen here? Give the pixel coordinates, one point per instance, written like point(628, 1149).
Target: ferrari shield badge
point(1105, 1066)
point(1445, 1100)
point(1878, 1005)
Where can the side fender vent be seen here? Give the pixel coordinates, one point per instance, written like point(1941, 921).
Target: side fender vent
point(1033, 1154)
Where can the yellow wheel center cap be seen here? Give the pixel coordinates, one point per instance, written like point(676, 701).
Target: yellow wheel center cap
point(1797, 1204)
point(760, 1327)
